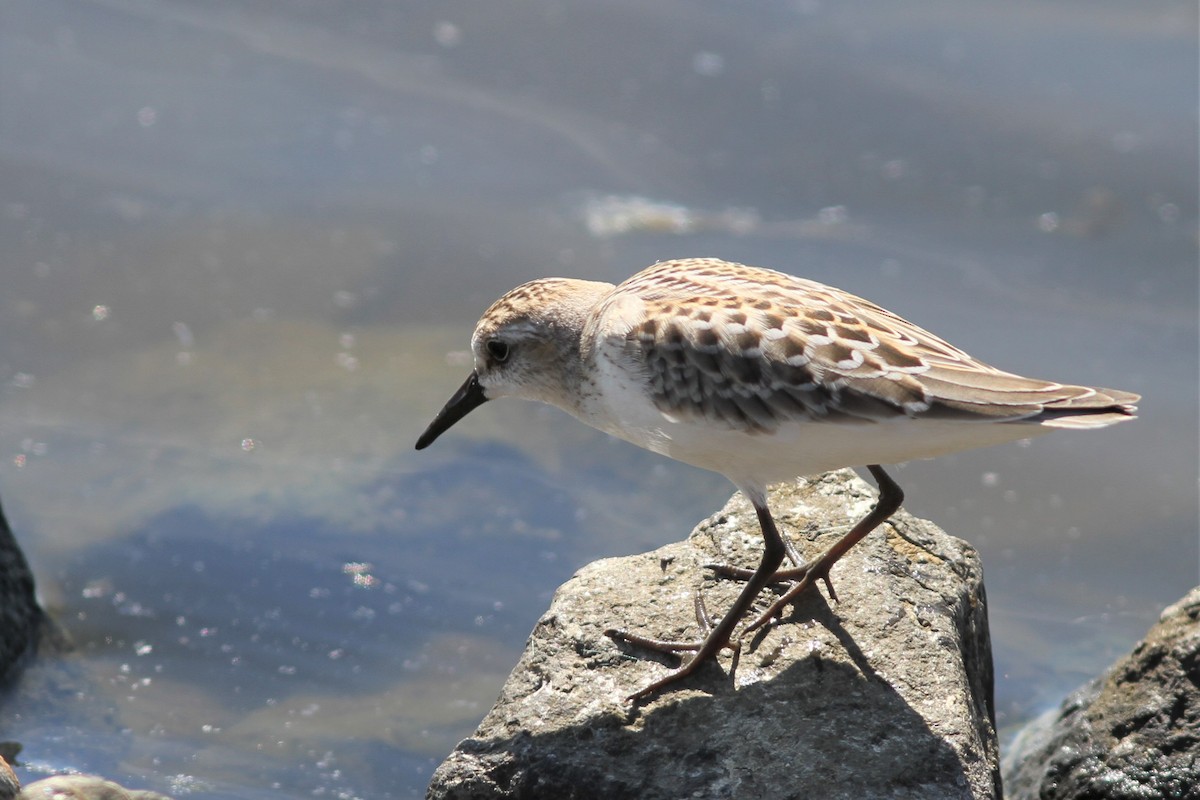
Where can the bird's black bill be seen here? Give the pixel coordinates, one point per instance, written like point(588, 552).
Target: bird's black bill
point(468, 397)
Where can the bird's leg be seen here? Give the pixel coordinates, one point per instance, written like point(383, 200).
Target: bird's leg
point(718, 636)
point(801, 578)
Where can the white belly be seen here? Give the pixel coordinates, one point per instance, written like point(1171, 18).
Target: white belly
point(809, 448)
point(796, 448)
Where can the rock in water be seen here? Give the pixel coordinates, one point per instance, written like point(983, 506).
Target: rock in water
point(885, 694)
point(21, 618)
point(1133, 733)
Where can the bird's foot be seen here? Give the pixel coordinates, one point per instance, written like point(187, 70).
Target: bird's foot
point(700, 650)
point(681, 649)
point(792, 581)
point(802, 579)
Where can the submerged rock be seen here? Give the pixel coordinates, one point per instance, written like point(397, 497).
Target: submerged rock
point(83, 787)
point(1133, 732)
point(885, 694)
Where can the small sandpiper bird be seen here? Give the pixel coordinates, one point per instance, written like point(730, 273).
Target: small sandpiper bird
point(762, 377)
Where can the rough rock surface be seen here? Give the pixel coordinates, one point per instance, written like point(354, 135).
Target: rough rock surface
point(1134, 732)
point(21, 617)
point(887, 694)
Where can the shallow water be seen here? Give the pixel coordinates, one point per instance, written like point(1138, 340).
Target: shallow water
point(243, 250)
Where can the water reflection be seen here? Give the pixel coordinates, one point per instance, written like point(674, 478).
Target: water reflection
point(243, 248)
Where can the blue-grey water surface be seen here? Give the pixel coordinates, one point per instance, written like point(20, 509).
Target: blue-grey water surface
point(243, 245)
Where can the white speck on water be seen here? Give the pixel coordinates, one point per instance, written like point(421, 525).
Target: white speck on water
point(447, 34)
point(1048, 222)
point(895, 169)
point(183, 333)
point(833, 215)
point(708, 64)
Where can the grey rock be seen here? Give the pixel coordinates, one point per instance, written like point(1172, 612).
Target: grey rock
point(1133, 732)
point(886, 694)
point(21, 618)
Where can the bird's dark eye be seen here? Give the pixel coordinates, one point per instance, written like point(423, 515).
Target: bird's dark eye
point(498, 350)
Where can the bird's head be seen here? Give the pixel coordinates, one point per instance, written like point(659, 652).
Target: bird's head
point(526, 345)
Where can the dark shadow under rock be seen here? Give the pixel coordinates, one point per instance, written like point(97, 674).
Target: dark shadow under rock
point(1133, 733)
point(885, 694)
